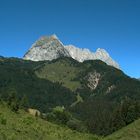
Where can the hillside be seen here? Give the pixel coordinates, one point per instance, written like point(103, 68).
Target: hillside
point(101, 87)
point(64, 71)
point(131, 132)
point(17, 78)
point(21, 125)
point(90, 96)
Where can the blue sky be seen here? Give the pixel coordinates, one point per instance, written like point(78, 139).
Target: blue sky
point(110, 24)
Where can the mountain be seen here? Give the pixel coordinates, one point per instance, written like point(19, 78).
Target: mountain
point(85, 54)
point(46, 48)
point(49, 48)
point(91, 96)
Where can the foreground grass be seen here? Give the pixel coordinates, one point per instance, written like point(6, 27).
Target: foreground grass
point(23, 126)
point(131, 132)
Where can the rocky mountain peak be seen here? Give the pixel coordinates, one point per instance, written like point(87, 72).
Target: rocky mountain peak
point(54, 36)
point(46, 48)
point(85, 54)
point(50, 47)
point(102, 52)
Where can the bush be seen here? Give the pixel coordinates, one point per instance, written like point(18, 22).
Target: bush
point(76, 125)
point(3, 120)
point(59, 115)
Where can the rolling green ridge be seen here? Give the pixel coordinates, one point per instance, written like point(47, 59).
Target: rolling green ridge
point(91, 96)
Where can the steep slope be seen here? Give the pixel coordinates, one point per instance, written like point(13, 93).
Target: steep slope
point(21, 125)
point(131, 132)
point(50, 48)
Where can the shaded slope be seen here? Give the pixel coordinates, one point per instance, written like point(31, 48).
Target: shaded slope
point(17, 77)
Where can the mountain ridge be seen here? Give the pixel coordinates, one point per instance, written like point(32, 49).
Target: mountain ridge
point(50, 47)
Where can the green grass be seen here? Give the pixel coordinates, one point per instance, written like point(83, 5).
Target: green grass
point(23, 126)
point(130, 132)
point(60, 72)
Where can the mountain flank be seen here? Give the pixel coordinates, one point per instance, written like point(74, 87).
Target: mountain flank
point(88, 96)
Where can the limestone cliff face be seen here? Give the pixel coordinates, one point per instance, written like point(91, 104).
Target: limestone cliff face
point(85, 54)
point(49, 48)
point(46, 48)
point(93, 80)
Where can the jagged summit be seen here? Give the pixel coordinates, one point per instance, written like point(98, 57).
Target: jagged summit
point(85, 54)
point(46, 48)
point(54, 36)
point(50, 47)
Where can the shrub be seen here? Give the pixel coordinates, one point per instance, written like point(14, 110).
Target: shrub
point(3, 120)
point(76, 125)
point(59, 115)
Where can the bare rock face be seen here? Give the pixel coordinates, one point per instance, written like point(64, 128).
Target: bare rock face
point(85, 54)
point(46, 48)
point(93, 80)
point(50, 47)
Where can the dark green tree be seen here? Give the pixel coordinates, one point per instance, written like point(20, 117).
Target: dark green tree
point(13, 101)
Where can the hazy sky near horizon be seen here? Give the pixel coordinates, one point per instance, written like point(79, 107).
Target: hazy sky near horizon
point(110, 24)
